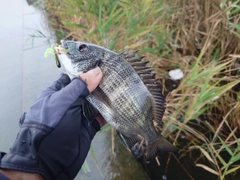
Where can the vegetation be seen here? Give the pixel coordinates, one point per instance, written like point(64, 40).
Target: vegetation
point(200, 37)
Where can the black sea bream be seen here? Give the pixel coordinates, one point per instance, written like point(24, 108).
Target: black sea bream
point(128, 97)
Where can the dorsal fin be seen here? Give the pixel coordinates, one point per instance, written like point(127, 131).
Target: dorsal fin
point(135, 58)
point(138, 63)
point(144, 71)
point(148, 78)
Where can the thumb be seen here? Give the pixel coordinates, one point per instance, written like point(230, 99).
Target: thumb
point(92, 78)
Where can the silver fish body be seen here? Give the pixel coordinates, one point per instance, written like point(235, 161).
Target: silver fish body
point(122, 98)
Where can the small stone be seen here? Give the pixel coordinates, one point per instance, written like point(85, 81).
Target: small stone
point(164, 177)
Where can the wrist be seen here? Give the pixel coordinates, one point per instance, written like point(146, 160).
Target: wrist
point(100, 120)
point(19, 175)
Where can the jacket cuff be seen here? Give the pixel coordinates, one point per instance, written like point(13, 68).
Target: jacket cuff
point(85, 92)
point(63, 81)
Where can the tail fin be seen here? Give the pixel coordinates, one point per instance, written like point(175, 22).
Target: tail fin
point(158, 146)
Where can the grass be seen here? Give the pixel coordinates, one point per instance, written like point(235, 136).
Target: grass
point(201, 37)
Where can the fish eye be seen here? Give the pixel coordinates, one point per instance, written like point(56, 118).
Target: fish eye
point(83, 48)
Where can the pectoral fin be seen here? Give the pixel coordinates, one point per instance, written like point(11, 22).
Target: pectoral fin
point(129, 142)
point(89, 111)
point(135, 144)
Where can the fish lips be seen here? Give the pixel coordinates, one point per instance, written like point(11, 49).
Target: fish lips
point(63, 44)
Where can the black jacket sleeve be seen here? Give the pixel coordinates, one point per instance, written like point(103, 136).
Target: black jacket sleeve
point(2, 177)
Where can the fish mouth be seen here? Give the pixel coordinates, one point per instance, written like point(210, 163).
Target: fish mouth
point(57, 51)
point(59, 48)
point(62, 47)
point(62, 43)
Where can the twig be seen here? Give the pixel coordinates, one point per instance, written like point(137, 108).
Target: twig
point(182, 166)
point(113, 144)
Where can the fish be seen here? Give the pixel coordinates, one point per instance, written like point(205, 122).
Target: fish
point(128, 96)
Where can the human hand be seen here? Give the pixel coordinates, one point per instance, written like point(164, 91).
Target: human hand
point(92, 78)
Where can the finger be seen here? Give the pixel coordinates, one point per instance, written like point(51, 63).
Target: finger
point(92, 78)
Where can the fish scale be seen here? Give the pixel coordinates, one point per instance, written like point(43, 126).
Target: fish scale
point(128, 97)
